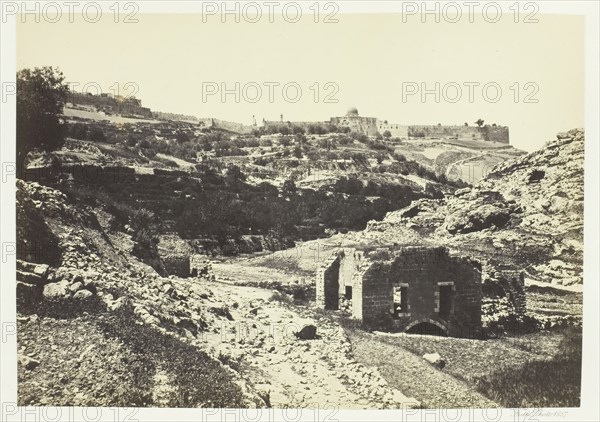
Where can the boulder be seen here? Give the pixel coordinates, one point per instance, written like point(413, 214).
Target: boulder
point(76, 287)
point(435, 359)
point(56, 290)
point(82, 294)
point(167, 289)
point(41, 270)
point(308, 332)
point(477, 219)
point(461, 192)
point(28, 362)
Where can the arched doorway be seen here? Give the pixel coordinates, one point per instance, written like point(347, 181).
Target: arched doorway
point(427, 327)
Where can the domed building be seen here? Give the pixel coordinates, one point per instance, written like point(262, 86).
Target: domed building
point(356, 123)
point(352, 111)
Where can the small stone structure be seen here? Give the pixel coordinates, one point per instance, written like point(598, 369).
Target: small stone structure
point(200, 266)
point(412, 289)
point(501, 282)
point(175, 254)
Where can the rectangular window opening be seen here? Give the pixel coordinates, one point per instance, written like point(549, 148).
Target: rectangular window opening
point(445, 308)
point(400, 300)
point(348, 293)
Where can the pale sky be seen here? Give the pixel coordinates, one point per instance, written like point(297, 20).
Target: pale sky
point(367, 56)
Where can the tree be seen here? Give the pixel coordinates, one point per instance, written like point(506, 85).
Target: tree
point(285, 141)
point(298, 130)
point(144, 226)
point(96, 134)
point(289, 187)
point(41, 95)
point(387, 134)
point(182, 137)
point(479, 122)
point(234, 175)
point(298, 152)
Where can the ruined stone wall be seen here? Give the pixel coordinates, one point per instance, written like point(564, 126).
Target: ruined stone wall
point(513, 283)
point(422, 269)
point(349, 265)
point(377, 298)
point(327, 285)
point(175, 253)
point(466, 317)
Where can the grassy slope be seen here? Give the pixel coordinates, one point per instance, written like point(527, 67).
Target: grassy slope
point(534, 370)
point(92, 357)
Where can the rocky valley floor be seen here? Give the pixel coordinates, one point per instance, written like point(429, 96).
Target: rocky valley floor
point(252, 357)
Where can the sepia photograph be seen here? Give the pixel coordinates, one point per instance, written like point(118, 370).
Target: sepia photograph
point(320, 211)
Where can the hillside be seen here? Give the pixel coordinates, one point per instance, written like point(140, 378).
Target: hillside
point(141, 237)
point(103, 250)
point(119, 325)
point(329, 151)
point(527, 213)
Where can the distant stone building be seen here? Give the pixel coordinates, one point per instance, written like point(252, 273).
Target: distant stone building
point(356, 123)
point(371, 126)
point(413, 289)
point(396, 130)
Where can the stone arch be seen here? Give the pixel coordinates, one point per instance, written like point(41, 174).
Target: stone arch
point(428, 325)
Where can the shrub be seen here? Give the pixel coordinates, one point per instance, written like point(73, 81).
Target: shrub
point(280, 297)
point(200, 380)
point(96, 134)
point(143, 223)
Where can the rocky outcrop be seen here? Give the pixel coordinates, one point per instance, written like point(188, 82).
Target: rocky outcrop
point(526, 214)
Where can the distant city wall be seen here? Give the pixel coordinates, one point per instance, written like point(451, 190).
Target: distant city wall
point(230, 126)
point(485, 133)
point(117, 105)
point(397, 131)
point(370, 126)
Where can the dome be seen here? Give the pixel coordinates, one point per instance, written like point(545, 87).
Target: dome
point(352, 111)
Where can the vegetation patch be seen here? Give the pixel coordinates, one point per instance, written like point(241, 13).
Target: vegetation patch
point(199, 380)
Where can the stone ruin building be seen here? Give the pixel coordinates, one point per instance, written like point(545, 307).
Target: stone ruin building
point(410, 289)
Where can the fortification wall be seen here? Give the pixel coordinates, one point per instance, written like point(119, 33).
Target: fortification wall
point(231, 126)
point(484, 133)
point(125, 106)
point(397, 131)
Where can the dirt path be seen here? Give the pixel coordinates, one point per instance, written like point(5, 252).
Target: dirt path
point(291, 372)
point(332, 370)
